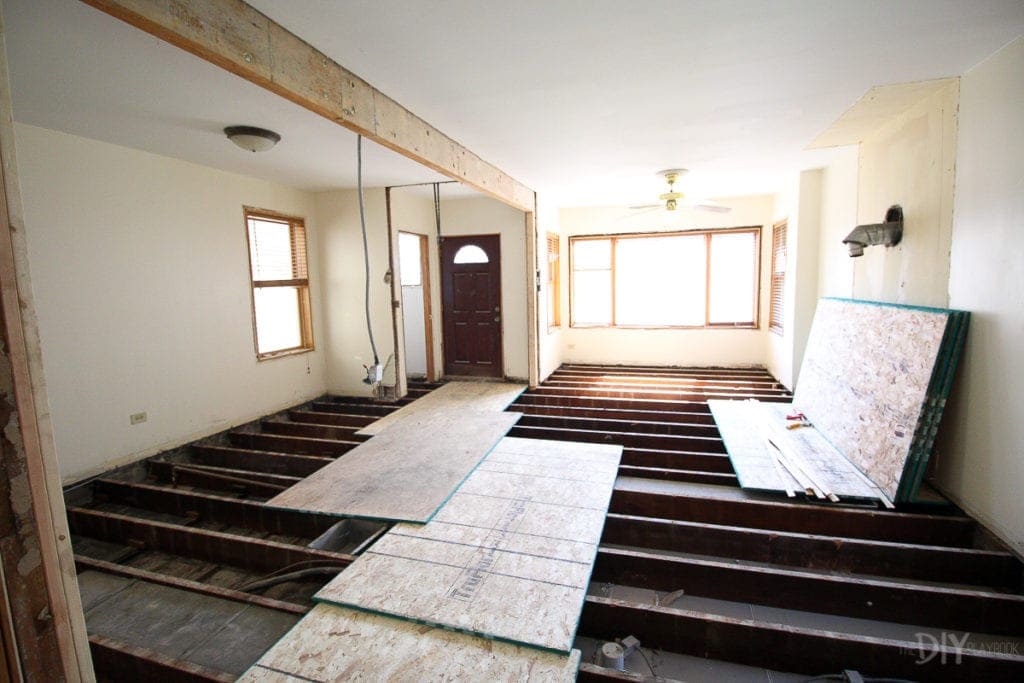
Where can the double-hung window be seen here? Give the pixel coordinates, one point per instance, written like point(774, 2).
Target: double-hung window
point(282, 323)
point(682, 279)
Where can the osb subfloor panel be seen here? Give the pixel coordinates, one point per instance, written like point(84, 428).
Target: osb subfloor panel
point(508, 557)
point(221, 634)
point(864, 379)
point(338, 644)
point(741, 424)
point(457, 397)
point(405, 473)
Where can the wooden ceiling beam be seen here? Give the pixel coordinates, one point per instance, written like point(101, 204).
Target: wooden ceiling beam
point(238, 38)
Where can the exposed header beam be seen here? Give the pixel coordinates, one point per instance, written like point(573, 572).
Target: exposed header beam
point(236, 37)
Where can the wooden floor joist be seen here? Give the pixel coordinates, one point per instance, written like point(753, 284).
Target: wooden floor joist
point(82, 563)
point(260, 461)
point(801, 518)
point(298, 445)
point(968, 566)
point(335, 419)
point(248, 483)
point(212, 546)
point(208, 507)
point(954, 609)
point(116, 661)
point(788, 648)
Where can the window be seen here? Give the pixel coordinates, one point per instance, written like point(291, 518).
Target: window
point(682, 279)
point(471, 254)
point(778, 277)
point(554, 282)
point(280, 284)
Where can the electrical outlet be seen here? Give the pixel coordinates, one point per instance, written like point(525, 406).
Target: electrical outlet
point(137, 418)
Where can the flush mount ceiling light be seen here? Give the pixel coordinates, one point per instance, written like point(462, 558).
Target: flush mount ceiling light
point(252, 139)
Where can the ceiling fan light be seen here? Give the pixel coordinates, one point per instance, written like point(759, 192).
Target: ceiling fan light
point(251, 138)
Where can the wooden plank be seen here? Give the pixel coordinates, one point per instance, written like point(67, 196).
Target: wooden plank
point(298, 445)
point(336, 644)
point(38, 573)
point(791, 648)
point(236, 37)
point(508, 557)
point(966, 566)
point(451, 399)
point(336, 419)
point(753, 457)
point(879, 599)
point(670, 474)
point(403, 474)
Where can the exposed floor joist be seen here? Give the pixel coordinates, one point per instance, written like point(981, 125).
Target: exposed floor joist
point(766, 584)
point(820, 589)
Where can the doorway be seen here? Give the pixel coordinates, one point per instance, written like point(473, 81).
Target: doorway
point(471, 300)
point(414, 271)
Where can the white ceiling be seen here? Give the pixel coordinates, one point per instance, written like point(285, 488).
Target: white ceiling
point(77, 70)
point(583, 100)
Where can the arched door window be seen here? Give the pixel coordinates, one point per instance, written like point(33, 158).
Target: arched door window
point(471, 253)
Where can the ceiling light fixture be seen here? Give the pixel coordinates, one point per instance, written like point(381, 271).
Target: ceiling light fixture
point(251, 138)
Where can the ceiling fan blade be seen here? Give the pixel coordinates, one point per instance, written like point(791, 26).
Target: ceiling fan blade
point(645, 206)
point(714, 207)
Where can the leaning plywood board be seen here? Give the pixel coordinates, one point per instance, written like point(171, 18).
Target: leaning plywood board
point(865, 379)
point(510, 555)
point(338, 644)
point(452, 398)
point(754, 458)
point(403, 474)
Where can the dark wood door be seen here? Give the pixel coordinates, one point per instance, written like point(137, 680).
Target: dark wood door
point(471, 300)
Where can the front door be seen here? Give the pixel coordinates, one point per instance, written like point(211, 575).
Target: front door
point(471, 299)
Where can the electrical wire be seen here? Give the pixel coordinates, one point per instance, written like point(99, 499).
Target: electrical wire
point(366, 247)
point(640, 650)
point(437, 213)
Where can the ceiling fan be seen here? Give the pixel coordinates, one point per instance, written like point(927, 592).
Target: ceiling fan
point(672, 200)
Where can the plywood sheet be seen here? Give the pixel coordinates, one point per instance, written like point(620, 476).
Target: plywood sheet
point(508, 557)
point(752, 457)
point(452, 398)
point(337, 644)
point(403, 474)
point(865, 378)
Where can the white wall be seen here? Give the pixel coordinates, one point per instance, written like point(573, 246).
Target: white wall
point(347, 343)
point(550, 341)
point(140, 276)
point(485, 216)
point(910, 161)
point(669, 346)
point(838, 218)
point(981, 460)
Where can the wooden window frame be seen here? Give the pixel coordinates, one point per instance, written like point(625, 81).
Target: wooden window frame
point(297, 230)
point(777, 289)
point(755, 230)
point(554, 280)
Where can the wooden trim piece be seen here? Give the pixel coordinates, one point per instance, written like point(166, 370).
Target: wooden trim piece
point(236, 37)
point(41, 583)
point(428, 311)
point(397, 313)
point(532, 285)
